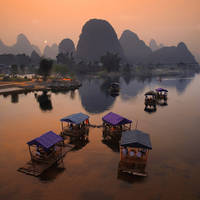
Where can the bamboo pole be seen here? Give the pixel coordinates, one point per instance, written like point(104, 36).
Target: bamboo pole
point(30, 152)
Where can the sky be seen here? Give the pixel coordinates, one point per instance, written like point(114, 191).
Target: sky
point(49, 21)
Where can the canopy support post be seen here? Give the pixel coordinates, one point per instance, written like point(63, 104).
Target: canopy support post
point(62, 126)
point(30, 152)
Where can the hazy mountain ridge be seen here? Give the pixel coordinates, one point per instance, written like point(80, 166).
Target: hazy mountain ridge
point(135, 50)
point(51, 51)
point(154, 46)
point(99, 37)
point(22, 46)
point(172, 55)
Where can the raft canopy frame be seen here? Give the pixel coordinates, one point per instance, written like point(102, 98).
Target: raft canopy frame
point(75, 119)
point(161, 90)
point(46, 141)
point(115, 120)
point(44, 145)
point(150, 93)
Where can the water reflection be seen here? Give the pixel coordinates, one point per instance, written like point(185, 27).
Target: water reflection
point(78, 142)
point(133, 86)
point(72, 94)
point(14, 98)
point(44, 101)
point(132, 89)
point(129, 178)
point(52, 173)
point(179, 83)
point(162, 103)
point(150, 110)
point(112, 141)
point(95, 97)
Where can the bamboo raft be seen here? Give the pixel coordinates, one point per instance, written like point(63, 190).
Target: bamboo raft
point(36, 168)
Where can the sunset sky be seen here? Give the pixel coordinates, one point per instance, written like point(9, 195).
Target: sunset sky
point(167, 21)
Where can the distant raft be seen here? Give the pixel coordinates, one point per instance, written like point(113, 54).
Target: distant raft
point(161, 93)
point(150, 100)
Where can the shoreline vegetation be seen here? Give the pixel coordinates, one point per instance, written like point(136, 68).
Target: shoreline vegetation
point(61, 78)
point(64, 75)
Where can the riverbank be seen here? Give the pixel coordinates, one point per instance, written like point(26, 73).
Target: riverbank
point(7, 88)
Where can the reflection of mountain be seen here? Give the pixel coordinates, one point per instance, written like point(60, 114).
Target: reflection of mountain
point(180, 84)
point(45, 101)
point(93, 99)
point(131, 90)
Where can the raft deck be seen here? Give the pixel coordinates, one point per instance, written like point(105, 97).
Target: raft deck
point(36, 168)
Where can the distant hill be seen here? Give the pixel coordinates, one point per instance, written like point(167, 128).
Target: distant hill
point(97, 38)
point(154, 46)
point(22, 46)
point(171, 55)
point(197, 57)
point(66, 46)
point(51, 51)
point(135, 49)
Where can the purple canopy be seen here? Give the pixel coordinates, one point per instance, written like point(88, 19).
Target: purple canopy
point(115, 119)
point(47, 140)
point(161, 90)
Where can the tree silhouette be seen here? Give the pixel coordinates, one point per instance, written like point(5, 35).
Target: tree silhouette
point(111, 61)
point(45, 68)
point(65, 58)
point(14, 70)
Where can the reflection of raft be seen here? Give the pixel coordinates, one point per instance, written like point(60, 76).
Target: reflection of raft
point(134, 150)
point(111, 140)
point(114, 89)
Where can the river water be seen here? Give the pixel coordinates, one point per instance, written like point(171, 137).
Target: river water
point(91, 171)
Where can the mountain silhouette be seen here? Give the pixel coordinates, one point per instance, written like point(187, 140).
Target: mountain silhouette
point(135, 49)
point(35, 58)
point(66, 46)
point(172, 55)
point(22, 46)
point(51, 51)
point(96, 39)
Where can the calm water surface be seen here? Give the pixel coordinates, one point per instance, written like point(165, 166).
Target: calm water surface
point(91, 172)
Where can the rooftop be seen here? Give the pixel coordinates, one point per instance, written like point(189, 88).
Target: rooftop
point(136, 138)
point(75, 118)
point(47, 140)
point(115, 119)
